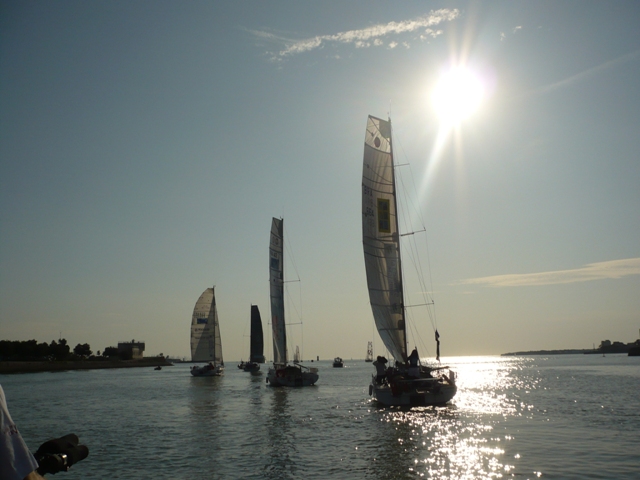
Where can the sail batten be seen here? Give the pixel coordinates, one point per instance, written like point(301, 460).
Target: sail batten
point(381, 239)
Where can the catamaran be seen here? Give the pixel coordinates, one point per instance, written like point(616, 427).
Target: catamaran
point(407, 382)
point(282, 374)
point(206, 345)
point(256, 347)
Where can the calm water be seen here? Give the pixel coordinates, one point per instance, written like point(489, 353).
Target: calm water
point(556, 417)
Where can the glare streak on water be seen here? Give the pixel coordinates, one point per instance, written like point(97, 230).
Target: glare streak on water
point(560, 417)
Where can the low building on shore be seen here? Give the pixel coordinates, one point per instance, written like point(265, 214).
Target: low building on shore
point(131, 350)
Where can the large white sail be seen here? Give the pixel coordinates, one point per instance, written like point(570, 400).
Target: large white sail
point(380, 238)
point(276, 281)
point(206, 344)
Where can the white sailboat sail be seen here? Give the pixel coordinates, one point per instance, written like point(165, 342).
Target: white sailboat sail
point(381, 239)
point(276, 281)
point(296, 355)
point(202, 333)
point(206, 343)
point(369, 357)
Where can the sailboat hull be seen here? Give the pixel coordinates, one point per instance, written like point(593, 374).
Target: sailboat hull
point(208, 371)
point(292, 376)
point(418, 393)
point(251, 367)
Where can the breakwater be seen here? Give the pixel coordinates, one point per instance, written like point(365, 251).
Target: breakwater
point(58, 366)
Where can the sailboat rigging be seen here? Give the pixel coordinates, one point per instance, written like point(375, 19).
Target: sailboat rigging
point(282, 374)
point(407, 383)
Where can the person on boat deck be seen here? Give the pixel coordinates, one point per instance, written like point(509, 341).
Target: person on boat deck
point(414, 368)
point(381, 369)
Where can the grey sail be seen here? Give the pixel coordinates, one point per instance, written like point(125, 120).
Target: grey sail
point(217, 340)
point(202, 329)
point(276, 282)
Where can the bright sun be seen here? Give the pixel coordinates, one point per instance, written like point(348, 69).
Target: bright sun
point(457, 95)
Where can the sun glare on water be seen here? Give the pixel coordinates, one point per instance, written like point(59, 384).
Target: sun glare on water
point(457, 95)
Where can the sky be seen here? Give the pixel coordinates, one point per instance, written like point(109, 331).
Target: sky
point(145, 147)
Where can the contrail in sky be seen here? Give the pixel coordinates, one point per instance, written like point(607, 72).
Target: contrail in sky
point(588, 73)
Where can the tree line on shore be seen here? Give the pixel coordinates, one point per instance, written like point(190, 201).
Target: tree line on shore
point(31, 350)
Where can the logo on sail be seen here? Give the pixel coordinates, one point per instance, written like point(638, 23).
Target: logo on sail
point(384, 217)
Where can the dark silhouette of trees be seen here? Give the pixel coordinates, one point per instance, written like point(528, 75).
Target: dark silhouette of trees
point(82, 350)
point(59, 351)
point(110, 352)
point(32, 350)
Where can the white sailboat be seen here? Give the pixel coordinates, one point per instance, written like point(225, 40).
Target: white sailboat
point(369, 357)
point(282, 374)
point(296, 355)
point(206, 345)
point(407, 383)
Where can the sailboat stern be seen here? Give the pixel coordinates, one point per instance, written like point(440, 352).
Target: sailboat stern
point(209, 370)
point(292, 376)
point(408, 392)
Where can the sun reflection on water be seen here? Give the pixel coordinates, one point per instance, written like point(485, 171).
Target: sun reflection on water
point(463, 440)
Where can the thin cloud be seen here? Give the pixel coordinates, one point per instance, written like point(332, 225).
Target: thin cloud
point(589, 73)
point(366, 37)
point(593, 271)
point(503, 36)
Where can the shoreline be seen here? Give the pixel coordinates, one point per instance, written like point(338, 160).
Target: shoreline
point(567, 352)
point(8, 367)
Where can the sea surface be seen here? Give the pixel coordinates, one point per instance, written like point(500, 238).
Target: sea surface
point(554, 417)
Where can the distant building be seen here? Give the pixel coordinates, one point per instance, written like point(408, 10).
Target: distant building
point(131, 350)
point(607, 346)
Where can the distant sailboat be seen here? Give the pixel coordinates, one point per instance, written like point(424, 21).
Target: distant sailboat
point(206, 345)
point(408, 383)
point(369, 357)
point(256, 356)
point(296, 355)
point(282, 374)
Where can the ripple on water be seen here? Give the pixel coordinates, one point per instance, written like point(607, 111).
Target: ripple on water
point(512, 417)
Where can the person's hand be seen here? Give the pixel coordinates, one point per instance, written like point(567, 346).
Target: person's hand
point(59, 454)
